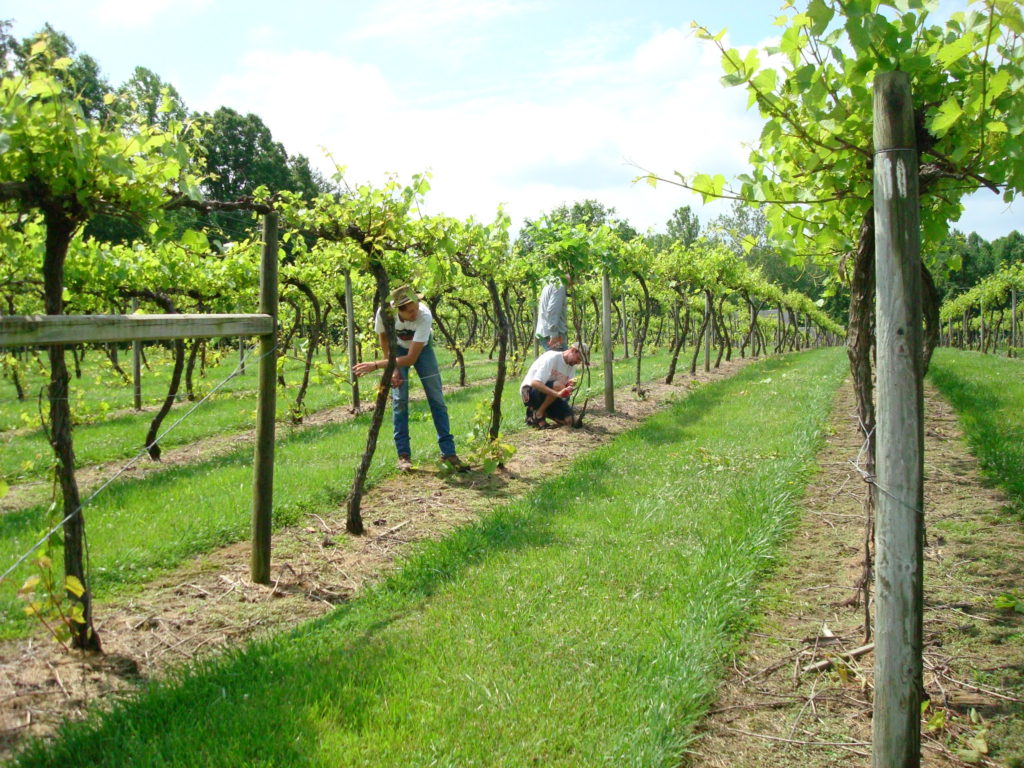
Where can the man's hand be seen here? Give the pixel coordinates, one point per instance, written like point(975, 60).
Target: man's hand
point(554, 341)
point(396, 378)
point(361, 369)
point(565, 392)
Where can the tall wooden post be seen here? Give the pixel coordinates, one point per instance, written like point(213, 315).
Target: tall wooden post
point(981, 326)
point(1013, 322)
point(266, 408)
point(899, 532)
point(350, 332)
point(625, 326)
point(136, 367)
point(707, 331)
point(606, 343)
point(536, 321)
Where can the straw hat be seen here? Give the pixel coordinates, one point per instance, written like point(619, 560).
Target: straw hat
point(402, 296)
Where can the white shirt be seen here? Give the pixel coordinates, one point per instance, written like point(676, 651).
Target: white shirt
point(419, 328)
point(550, 366)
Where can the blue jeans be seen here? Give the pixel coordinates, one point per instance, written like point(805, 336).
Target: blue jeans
point(430, 378)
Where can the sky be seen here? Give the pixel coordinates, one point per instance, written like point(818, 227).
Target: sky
point(523, 103)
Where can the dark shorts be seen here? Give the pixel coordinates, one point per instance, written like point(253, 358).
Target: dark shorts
point(534, 399)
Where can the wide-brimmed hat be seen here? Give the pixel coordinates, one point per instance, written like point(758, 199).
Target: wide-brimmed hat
point(402, 296)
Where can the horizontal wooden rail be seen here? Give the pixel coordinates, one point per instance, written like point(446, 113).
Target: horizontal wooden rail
point(32, 330)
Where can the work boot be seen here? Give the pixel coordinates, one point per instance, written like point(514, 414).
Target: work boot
point(404, 463)
point(455, 463)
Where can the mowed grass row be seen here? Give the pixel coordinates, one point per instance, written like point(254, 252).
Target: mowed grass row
point(28, 456)
point(585, 624)
point(988, 395)
point(137, 528)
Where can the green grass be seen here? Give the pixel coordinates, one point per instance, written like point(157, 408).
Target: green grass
point(583, 625)
point(27, 456)
point(137, 528)
point(988, 395)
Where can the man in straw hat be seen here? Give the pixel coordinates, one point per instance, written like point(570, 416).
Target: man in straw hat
point(412, 328)
point(548, 385)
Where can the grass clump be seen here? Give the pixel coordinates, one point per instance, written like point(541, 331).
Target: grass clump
point(582, 625)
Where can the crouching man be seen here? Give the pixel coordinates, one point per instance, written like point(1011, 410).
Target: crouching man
point(548, 385)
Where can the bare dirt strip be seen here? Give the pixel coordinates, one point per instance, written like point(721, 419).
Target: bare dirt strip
point(773, 710)
point(209, 603)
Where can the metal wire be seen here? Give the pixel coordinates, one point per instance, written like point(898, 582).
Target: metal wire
point(134, 460)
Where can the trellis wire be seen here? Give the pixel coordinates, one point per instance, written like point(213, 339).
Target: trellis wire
point(134, 460)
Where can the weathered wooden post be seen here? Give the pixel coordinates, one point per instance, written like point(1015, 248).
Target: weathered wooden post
point(136, 366)
point(625, 327)
point(981, 326)
point(899, 532)
point(266, 408)
point(707, 331)
point(350, 332)
point(536, 321)
point(606, 343)
point(1014, 345)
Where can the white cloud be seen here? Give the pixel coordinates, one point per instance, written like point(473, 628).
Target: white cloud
point(570, 138)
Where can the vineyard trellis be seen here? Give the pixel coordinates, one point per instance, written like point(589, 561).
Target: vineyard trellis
point(62, 330)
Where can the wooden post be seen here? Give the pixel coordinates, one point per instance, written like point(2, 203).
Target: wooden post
point(899, 532)
point(707, 331)
point(1013, 322)
point(136, 366)
point(625, 329)
point(606, 343)
point(350, 331)
point(536, 321)
point(981, 326)
point(266, 408)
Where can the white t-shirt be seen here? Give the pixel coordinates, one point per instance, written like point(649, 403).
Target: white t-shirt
point(417, 330)
point(550, 366)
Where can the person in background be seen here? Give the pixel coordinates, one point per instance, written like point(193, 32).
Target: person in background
point(552, 314)
point(548, 385)
point(413, 327)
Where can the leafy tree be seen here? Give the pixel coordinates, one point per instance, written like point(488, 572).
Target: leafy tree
point(683, 227)
point(150, 100)
point(241, 155)
point(745, 231)
point(81, 75)
point(1008, 249)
